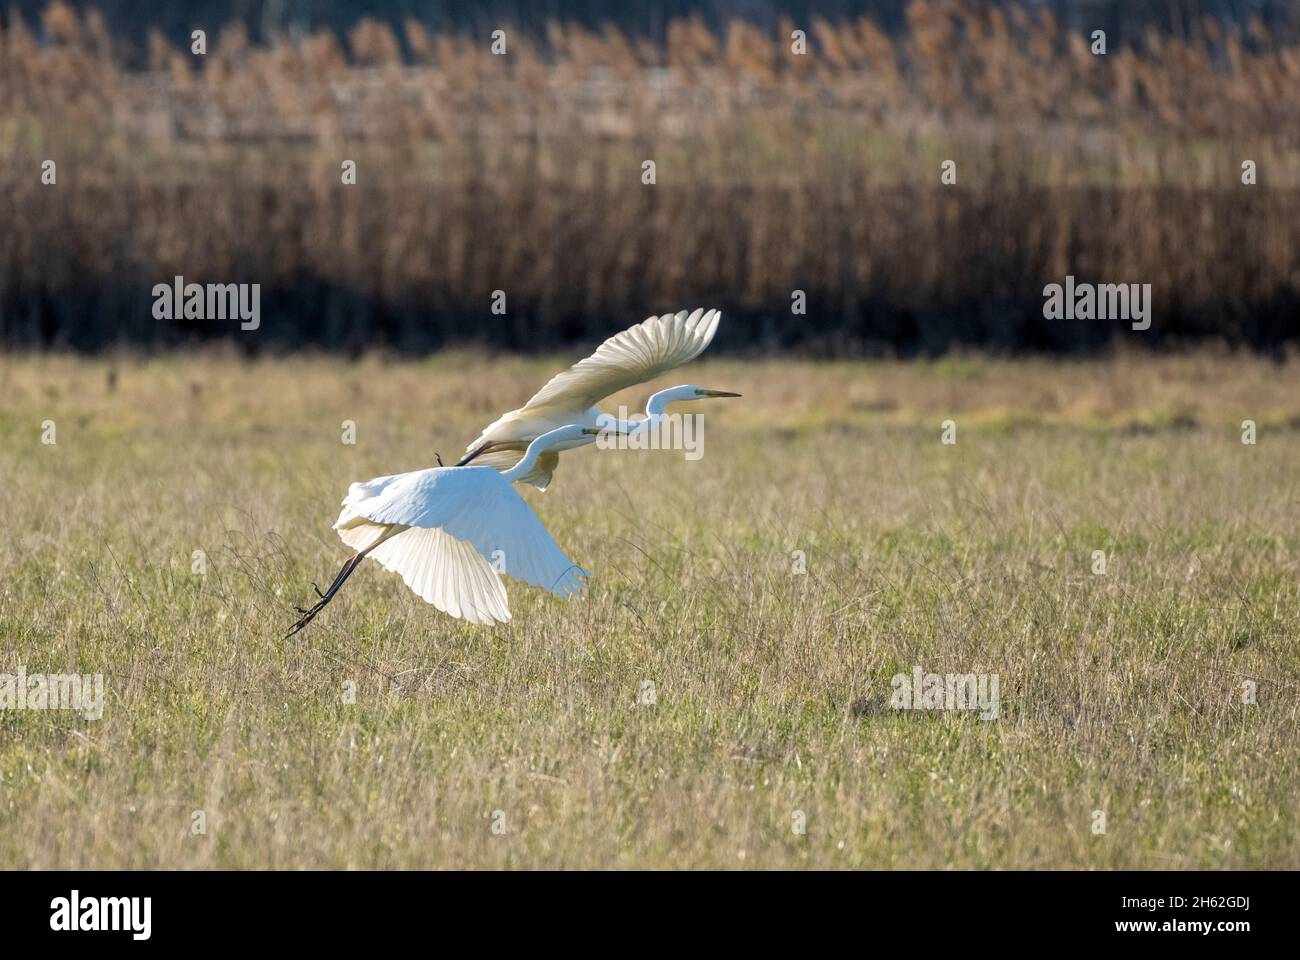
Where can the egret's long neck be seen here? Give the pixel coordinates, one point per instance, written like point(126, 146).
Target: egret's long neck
point(654, 410)
point(535, 450)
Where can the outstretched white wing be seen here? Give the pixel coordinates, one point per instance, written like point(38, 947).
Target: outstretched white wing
point(476, 506)
point(448, 573)
point(638, 354)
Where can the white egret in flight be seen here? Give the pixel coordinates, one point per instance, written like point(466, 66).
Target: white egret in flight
point(638, 354)
point(448, 530)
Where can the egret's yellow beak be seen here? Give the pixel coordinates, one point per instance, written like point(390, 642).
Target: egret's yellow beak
point(718, 393)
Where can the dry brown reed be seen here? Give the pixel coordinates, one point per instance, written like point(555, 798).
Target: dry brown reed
point(775, 172)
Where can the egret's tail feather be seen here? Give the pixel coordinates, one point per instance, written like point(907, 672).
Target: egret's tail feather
point(504, 458)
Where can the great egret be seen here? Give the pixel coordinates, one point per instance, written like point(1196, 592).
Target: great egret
point(448, 530)
point(638, 354)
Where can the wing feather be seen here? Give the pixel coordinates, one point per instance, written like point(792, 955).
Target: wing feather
point(476, 506)
point(639, 353)
point(448, 573)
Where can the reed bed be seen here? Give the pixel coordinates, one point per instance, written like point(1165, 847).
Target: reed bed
point(775, 172)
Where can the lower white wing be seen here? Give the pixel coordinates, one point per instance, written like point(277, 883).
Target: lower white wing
point(446, 572)
point(475, 505)
point(449, 573)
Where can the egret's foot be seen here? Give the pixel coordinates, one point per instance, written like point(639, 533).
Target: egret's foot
point(313, 609)
point(308, 615)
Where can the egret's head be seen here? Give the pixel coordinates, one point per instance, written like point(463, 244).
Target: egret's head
point(687, 391)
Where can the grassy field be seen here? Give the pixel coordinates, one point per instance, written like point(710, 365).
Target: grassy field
point(1120, 693)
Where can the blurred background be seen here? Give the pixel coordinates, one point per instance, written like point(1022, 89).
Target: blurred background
point(775, 172)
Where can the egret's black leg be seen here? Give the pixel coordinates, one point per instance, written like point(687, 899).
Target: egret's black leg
point(309, 615)
point(474, 453)
point(343, 570)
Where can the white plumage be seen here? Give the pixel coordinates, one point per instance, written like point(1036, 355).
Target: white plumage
point(450, 532)
point(639, 353)
point(443, 530)
point(446, 572)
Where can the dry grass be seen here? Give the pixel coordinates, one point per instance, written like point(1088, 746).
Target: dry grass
point(1119, 692)
point(774, 173)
